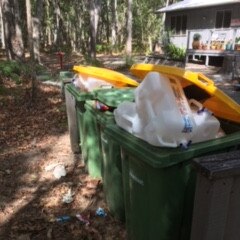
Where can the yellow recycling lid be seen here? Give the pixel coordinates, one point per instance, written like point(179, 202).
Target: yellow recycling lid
point(113, 77)
point(195, 84)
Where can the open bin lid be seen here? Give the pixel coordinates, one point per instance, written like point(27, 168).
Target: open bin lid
point(114, 96)
point(116, 78)
point(161, 157)
point(216, 100)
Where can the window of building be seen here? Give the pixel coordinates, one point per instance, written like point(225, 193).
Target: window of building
point(179, 24)
point(223, 19)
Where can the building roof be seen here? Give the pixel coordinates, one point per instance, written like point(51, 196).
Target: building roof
point(189, 4)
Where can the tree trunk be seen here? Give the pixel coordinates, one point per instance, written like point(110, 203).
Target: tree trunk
point(47, 31)
point(114, 22)
point(57, 30)
point(29, 29)
point(37, 29)
point(12, 30)
point(2, 26)
point(129, 29)
point(94, 10)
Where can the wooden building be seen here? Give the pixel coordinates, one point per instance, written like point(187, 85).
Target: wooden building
point(205, 28)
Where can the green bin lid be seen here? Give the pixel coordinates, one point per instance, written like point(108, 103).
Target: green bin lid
point(78, 94)
point(161, 157)
point(66, 74)
point(114, 96)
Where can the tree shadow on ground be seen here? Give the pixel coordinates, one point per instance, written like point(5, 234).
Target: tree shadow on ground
point(30, 197)
point(31, 202)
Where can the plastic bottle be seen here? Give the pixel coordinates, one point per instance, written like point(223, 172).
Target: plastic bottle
point(165, 111)
point(63, 219)
point(127, 118)
point(207, 126)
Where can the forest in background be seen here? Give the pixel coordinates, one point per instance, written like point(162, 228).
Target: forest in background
point(86, 27)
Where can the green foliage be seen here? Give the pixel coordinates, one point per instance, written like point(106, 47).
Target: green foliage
point(103, 48)
point(174, 52)
point(12, 69)
point(197, 36)
point(146, 24)
point(129, 61)
point(7, 68)
point(237, 40)
point(92, 61)
point(39, 69)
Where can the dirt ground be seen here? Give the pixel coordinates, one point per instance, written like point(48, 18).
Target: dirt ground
point(34, 137)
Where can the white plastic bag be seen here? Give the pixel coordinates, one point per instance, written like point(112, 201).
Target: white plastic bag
point(161, 114)
point(87, 84)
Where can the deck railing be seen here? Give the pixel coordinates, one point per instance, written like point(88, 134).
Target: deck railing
point(214, 39)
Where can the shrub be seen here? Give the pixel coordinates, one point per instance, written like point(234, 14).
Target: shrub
point(174, 52)
point(197, 36)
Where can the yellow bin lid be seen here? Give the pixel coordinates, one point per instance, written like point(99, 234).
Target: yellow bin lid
point(219, 103)
point(113, 77)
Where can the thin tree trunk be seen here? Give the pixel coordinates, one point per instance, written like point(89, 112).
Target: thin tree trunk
point(129, 29)
point(29, 29)
point(2, 29)
point(12, 30)
point(114, 22)
point(19, 46)
point(57, 31)
point(48, 33)
point(94, 10)
point(37, 29)
point(6, 27)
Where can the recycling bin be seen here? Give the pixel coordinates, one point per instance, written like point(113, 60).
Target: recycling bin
point(65, 77)
point(95, 145)
point(111, 167)
point(159, 183)
point(73, 98)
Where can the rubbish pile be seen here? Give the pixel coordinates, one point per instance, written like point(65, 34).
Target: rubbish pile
point(163, 116)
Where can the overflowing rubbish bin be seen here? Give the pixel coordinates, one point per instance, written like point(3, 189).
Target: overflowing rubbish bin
point(159, 183)
point(159, 137)
point(84, 82)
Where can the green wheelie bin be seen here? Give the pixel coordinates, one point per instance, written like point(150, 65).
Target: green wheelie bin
point(159, 183)
point(75, 99)
point(111, 167)
point(97, 116)
point(65, 77)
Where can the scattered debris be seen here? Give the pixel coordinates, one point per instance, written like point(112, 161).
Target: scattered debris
point(63, 219)
point(68, 197)
point(50, 167)
point(49, 233)
point(59, 171)
point(100, 212)
point(82, 219)
point(8, 171)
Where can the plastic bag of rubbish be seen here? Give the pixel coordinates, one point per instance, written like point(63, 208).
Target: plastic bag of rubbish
point(68, 197)
point(161, 114)
point(59, 171)
point(87, 83)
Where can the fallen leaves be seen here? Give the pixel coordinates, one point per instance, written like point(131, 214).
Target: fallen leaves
point(30, 197)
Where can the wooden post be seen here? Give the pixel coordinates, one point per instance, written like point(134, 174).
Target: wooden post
point(216, 214)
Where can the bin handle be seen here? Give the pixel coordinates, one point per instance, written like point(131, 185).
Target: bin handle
point(204, 79)
point(168, 144)
point(196, 103)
